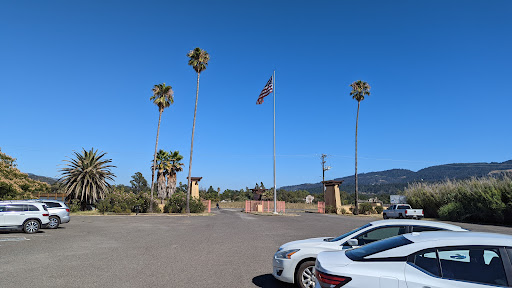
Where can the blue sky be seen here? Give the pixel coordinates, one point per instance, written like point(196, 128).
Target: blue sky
point(79, 74)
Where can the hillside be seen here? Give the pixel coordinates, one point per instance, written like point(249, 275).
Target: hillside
point(42, 178)
point(390, 181)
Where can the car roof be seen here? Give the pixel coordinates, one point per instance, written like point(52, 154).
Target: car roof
point(417, 223)
point(425, 240)
point(20, 202)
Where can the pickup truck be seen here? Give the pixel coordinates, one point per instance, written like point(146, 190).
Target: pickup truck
point(402, 211)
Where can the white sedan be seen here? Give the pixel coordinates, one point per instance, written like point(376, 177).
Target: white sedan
point(294, 261)
point(420, 260)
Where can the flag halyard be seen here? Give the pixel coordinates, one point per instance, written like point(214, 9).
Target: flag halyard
point(269, 87)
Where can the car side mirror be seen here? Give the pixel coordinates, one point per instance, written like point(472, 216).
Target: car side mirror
point(353, 242)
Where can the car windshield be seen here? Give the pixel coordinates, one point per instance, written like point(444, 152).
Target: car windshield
point(349, 233)
point(358, 254)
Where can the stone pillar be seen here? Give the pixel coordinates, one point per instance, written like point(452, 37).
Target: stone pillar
point(332, 194)
point(194, 192)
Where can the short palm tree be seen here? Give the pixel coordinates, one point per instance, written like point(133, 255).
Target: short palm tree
point(86, 176)
point(163, 165)
point(175, 167)
point(359, 90)
point(163, 97)
point(198, 59)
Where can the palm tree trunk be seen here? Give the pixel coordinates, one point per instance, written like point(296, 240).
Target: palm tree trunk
point(356, 196)
point(154, 161)
point(189, 190)
point(161, 188)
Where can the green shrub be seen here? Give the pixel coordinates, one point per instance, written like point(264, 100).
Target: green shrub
point(366, 208)
point(330, 209)
point(125, 202)
point(378, 209)
point(178, 204)
point(452, 212)
point(74, 205)
point(343, 211)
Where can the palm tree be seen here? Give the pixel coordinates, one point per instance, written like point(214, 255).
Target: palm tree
point(175, 167)
point(359, 90)
point(198, 60)
point(163, 97)
point(163, 165)
point(85, 177)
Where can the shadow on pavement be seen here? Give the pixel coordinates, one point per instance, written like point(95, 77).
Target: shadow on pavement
point(268, 281)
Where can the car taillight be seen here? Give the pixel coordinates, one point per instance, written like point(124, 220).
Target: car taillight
point(67, 209)
point(46, 215)
point(329, 281)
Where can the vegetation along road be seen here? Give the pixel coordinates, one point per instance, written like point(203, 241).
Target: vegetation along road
point(228, 249)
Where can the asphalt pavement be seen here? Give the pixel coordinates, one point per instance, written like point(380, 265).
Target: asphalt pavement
point(227, 249)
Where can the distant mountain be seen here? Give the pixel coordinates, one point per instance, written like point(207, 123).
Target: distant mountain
point(393, 180)
point(42, 178)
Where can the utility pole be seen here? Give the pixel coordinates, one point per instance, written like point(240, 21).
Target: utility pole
point(324, 168)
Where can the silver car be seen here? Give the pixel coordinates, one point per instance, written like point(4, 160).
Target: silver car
point(59, 212)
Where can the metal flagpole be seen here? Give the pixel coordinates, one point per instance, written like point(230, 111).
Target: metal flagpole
point(275, 189)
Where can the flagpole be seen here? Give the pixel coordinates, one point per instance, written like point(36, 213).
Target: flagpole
point(275, 189)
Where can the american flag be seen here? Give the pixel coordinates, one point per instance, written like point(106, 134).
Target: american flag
point(266, 90)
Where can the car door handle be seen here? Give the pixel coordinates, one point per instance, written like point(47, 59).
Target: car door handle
point(22, 214)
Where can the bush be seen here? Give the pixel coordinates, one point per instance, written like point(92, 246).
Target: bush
point(74, 205)
point(125, 202)
point(343, 210)
point(452, 212)
point(378, 209)
point(330, 209)
point(366, 208)
point(178, 204)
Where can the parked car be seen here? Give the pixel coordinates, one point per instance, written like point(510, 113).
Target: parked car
point(402, 211)
point(294, 261)
point(59, 212)
point(419, 260)
point(23, 215)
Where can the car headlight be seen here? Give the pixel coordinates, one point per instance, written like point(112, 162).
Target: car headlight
point(285, 254)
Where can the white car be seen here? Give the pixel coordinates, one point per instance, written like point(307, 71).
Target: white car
point(59, 212)
point(294, 261)
point(419, 260)
point(27, 216)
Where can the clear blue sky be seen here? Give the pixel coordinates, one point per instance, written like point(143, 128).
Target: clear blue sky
point(79, 74)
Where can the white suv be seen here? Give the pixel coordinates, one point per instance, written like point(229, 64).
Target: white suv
point(27, 216)
point(59, 212)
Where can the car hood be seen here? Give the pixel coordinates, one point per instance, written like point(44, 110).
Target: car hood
point(312, 242)
point(329, 261)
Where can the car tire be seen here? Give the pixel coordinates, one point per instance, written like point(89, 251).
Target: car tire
point(31, 226)
point(385, 216)
point(54, 222)
point(305, 277)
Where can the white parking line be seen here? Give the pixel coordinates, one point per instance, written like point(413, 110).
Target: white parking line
point(13, 239)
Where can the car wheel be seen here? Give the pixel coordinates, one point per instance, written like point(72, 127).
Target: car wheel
point(385, 216)
point(54, 222)
point(31, 226)
point(305, 277)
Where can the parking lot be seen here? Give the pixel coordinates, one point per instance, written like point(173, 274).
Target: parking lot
point(228, 249)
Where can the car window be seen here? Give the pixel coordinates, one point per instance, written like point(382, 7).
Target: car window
point(31, 208)
point(349, 233)
point(426, 261)
point(3, 208)
point(52, 204)
point(425, 229)
point(404, 207)
point(475, 264)
point(358, 254)
point(15, 208)
point(379, 234)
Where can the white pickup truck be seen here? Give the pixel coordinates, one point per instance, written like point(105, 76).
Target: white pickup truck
point(402, 211)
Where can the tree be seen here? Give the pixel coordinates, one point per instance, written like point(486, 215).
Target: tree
point(163, 97)
point(86, 176)
point(163, 164)
point(175, 167)
point(359, 90)
point(139, 183)
point(198, 59)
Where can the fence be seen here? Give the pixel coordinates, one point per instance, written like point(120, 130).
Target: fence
point(266, 206)
point(56, 196)
point(208, 205)
point(321, 207)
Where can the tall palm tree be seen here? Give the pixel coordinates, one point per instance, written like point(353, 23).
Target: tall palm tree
point(163, 165)
point(359, 90)
point(198, 59)
point(86, 176)
point(175, 167)
point(163, 97)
